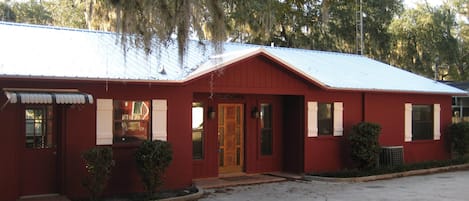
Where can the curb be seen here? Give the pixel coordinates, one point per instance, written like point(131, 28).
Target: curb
point(193, 196)
point(390, 175)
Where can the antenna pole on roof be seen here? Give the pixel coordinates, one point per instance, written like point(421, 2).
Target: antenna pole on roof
point(359, 27)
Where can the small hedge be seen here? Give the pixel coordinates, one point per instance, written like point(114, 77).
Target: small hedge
point(395, 169)
point(459, 138)
point(153, 157)
point(364, 144)
point(98, 163)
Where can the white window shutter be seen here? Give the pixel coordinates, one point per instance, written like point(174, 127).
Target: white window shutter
point(338, 119)
point(408, 122)
point(312, 119)
point(104, 121)
point(159, 119)
point(436, 122)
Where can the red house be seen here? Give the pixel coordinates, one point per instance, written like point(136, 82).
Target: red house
point(252, 109)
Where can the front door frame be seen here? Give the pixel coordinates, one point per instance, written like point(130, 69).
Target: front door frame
point(59, 129)
point(241, 123)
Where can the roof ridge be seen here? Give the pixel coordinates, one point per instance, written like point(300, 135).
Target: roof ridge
point(16, 24)
point(317, 51)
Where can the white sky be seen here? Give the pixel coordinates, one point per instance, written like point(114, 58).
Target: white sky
point(412, 3)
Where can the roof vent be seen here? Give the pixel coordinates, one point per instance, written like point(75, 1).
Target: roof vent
point(161, 70)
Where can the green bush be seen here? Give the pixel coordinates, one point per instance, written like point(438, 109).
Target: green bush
point(153, 157)
point(98, 164)
point(364, 144)
point(394, 169)
point(459, 138)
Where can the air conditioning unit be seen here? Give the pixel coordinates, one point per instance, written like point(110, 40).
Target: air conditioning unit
point(391, 156)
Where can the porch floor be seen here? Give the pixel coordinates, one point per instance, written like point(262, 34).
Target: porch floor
point(242, 179)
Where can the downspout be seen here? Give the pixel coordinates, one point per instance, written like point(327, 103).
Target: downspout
point(363, 106)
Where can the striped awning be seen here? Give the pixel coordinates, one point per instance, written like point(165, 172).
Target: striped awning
point(51, 97)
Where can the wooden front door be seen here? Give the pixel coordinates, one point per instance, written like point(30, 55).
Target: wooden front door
point(39, 162)
point(230, 138)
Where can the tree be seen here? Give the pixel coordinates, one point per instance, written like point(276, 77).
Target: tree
point(311, 24)
point(141, 21)
point(32, 12)
point(67, 13)
point(6, 13)
point(423, 42)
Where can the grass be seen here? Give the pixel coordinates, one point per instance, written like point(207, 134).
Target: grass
point(395, 169)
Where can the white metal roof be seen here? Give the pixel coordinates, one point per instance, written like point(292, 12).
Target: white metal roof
point(41, 51)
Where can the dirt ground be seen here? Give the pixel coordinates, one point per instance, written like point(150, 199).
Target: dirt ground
point(450, 186)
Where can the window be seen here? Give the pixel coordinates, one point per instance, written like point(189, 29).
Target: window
point(325, 120)
point(422, 122)
point(131, 121)
point(197, 130)
point(39, 127)
point(266, 129)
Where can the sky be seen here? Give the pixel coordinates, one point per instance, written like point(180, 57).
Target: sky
point(411, 3)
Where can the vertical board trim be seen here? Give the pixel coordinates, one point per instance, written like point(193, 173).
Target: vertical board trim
point(159, 119)
point(104, 121)
point(436, 122)
point(408, 122)
point(312, 119)
point(338, 119)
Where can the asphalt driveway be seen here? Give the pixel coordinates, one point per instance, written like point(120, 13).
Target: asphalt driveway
point(450, 186)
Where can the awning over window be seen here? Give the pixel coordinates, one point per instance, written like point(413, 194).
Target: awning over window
point(48, 97)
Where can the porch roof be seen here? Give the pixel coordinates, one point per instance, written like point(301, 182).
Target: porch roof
point(32, 51)
point(47, 96)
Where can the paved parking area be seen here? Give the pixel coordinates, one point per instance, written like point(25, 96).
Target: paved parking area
point(450, 186)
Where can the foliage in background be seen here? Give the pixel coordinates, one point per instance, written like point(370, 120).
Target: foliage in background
point(459, 138)
point(98, 164)
point(32, 12)
point(141, 21)
point(6, 13)
point(364, 144)
point(153, 157)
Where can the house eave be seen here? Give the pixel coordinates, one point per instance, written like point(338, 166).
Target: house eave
point(90, 79)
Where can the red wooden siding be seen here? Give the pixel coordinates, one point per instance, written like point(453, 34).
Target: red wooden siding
point(329, 153)
point(80, 135)
point(388, 111)
point(9, 152)
point(256, 75)
point(249, 82)
point(245, 82)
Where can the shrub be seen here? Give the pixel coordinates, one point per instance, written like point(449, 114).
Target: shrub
point(364, 144)
point(153, 157)
point(459, 138)
point(98, 164)
point(394, 169)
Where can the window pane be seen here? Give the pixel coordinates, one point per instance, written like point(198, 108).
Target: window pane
point(266, 142)
point(39, 127)
point(422, 122)
point(266, 129)
point(325, 120)
point(197, 130)
point(131, 121)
